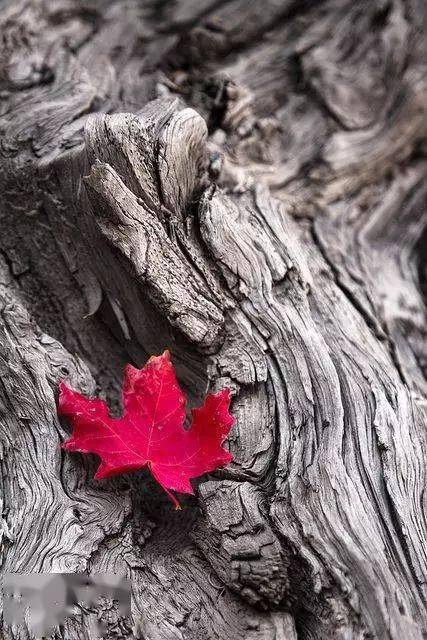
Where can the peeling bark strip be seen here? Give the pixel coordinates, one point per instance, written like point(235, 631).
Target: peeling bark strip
point(245, 184)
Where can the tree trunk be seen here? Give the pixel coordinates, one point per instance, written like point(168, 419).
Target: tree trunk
point(243, 183)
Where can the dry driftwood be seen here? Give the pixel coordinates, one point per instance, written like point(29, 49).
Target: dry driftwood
point(245, 184)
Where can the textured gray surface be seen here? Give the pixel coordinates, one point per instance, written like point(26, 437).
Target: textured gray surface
point(245, 184)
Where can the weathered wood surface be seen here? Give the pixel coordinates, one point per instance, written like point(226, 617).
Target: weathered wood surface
point(245, 184)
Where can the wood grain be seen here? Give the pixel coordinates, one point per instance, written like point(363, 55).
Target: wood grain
point(245, 184)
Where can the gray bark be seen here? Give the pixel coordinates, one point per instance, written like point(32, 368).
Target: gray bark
point(243, 183)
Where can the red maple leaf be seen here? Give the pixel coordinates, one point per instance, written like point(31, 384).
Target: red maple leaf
point(151, 430)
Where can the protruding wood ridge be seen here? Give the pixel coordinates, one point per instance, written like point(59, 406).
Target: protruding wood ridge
point(243, 183)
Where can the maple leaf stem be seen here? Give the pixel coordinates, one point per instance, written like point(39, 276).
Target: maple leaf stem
point(173, 498)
